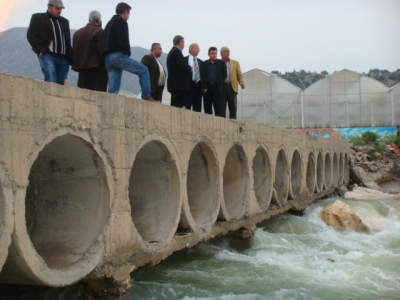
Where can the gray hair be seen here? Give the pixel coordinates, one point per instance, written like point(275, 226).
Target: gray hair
point(192, 46)
point(95, 16)
point(154, 45)
point(223, 48)
point(177, 39)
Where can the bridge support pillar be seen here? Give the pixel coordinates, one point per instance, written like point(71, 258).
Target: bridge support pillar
point(242, 239)
point(109, 287)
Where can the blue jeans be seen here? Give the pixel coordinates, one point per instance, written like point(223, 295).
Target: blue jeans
point(54, 69)
point(116, 62)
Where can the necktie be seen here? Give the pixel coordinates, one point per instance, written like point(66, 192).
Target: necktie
point(196, 70)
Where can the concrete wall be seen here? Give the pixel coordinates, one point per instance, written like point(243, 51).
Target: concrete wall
point(94, 184)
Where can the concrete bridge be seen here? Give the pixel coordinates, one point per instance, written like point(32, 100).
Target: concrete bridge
point(95, 185)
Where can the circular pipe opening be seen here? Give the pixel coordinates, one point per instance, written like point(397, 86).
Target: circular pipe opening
point(328, 172)
point(67, 201)
point(262, 173)
point(154, 193)
point(310, 179)
point(296, 175)
point(235, 177)
point(320, 173)
point(202, 185)
point(341, 174)
point(335, 175)
point(281, 184)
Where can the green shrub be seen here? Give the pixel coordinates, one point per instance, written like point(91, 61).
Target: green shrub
point(396, 141)
point(369, 136)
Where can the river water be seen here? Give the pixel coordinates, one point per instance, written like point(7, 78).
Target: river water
point(294, 257)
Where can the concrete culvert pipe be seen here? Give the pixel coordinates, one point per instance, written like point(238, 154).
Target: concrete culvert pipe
point(262, 172)
point(296, 176)
point(154, 193)
point(310, 177)
point(202, 186)
point(235, 178)
point(327, 172)
point(341, 174)
point(320, 173)
point(281, 183)
point(6, 221)
point(335, 170)
point(59, 228)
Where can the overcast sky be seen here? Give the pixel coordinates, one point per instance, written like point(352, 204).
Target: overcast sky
point(283, 35)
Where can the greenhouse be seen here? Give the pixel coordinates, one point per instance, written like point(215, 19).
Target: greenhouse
point(395, 99)
point(347, 99)
point(343, 99)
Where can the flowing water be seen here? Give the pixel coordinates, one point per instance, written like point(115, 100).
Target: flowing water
point(294, 257)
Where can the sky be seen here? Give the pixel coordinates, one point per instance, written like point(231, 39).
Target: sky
point(283, 35)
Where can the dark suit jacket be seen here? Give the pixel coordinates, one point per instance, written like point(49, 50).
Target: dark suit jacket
point(40, 34)
point(201, 69)
point(221, 74)
point(151, 63)
point(178, 71)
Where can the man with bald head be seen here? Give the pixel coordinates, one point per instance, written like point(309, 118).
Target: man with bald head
point(50, 38)
point(198, 84)
point(233, 79)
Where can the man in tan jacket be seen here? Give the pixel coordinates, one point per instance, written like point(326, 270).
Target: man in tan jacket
point(233, 79)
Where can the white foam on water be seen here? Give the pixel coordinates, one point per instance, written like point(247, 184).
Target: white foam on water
point(293, 258)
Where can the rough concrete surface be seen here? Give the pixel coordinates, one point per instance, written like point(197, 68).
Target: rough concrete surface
point(101, 184)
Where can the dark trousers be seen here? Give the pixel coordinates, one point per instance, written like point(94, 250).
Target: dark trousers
point(178, 98)
point(93, 79)
point(213, 99)
point(194, 96)
point(230, 97)
point(157, 95)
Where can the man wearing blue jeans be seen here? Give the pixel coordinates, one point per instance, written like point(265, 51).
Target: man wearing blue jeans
point(49, 36)
point(117, 51)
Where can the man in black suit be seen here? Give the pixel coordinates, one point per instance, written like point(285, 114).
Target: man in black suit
point(50, 38)
point(215, 72)
point(178, 83)
point(198, 85)
point(156, 70)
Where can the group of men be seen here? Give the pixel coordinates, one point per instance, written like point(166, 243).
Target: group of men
point(100, 56)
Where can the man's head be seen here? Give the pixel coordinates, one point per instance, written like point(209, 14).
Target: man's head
point(194, 49)
point(225, 53)
point(95, 17)
point(55, 7)
point(156, 49)
point(212, 53)
point(124, 10)
point(179, 41)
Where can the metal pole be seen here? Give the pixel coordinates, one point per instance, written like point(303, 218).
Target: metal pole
point(302, 108)
point(393, 106)
point(372, 115)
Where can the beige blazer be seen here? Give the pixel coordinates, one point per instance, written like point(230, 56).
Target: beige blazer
point(236, 75)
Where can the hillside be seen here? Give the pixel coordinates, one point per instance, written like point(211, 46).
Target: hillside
point(16, 57)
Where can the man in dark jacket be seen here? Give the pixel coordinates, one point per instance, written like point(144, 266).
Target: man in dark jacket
point(156, 70)
point(88, 59)
point(117, 51)
point(50, 38)
point(215, 71)
point(198, 84)
point(178, 73)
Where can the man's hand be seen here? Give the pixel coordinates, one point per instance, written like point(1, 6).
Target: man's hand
point(242, 86)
